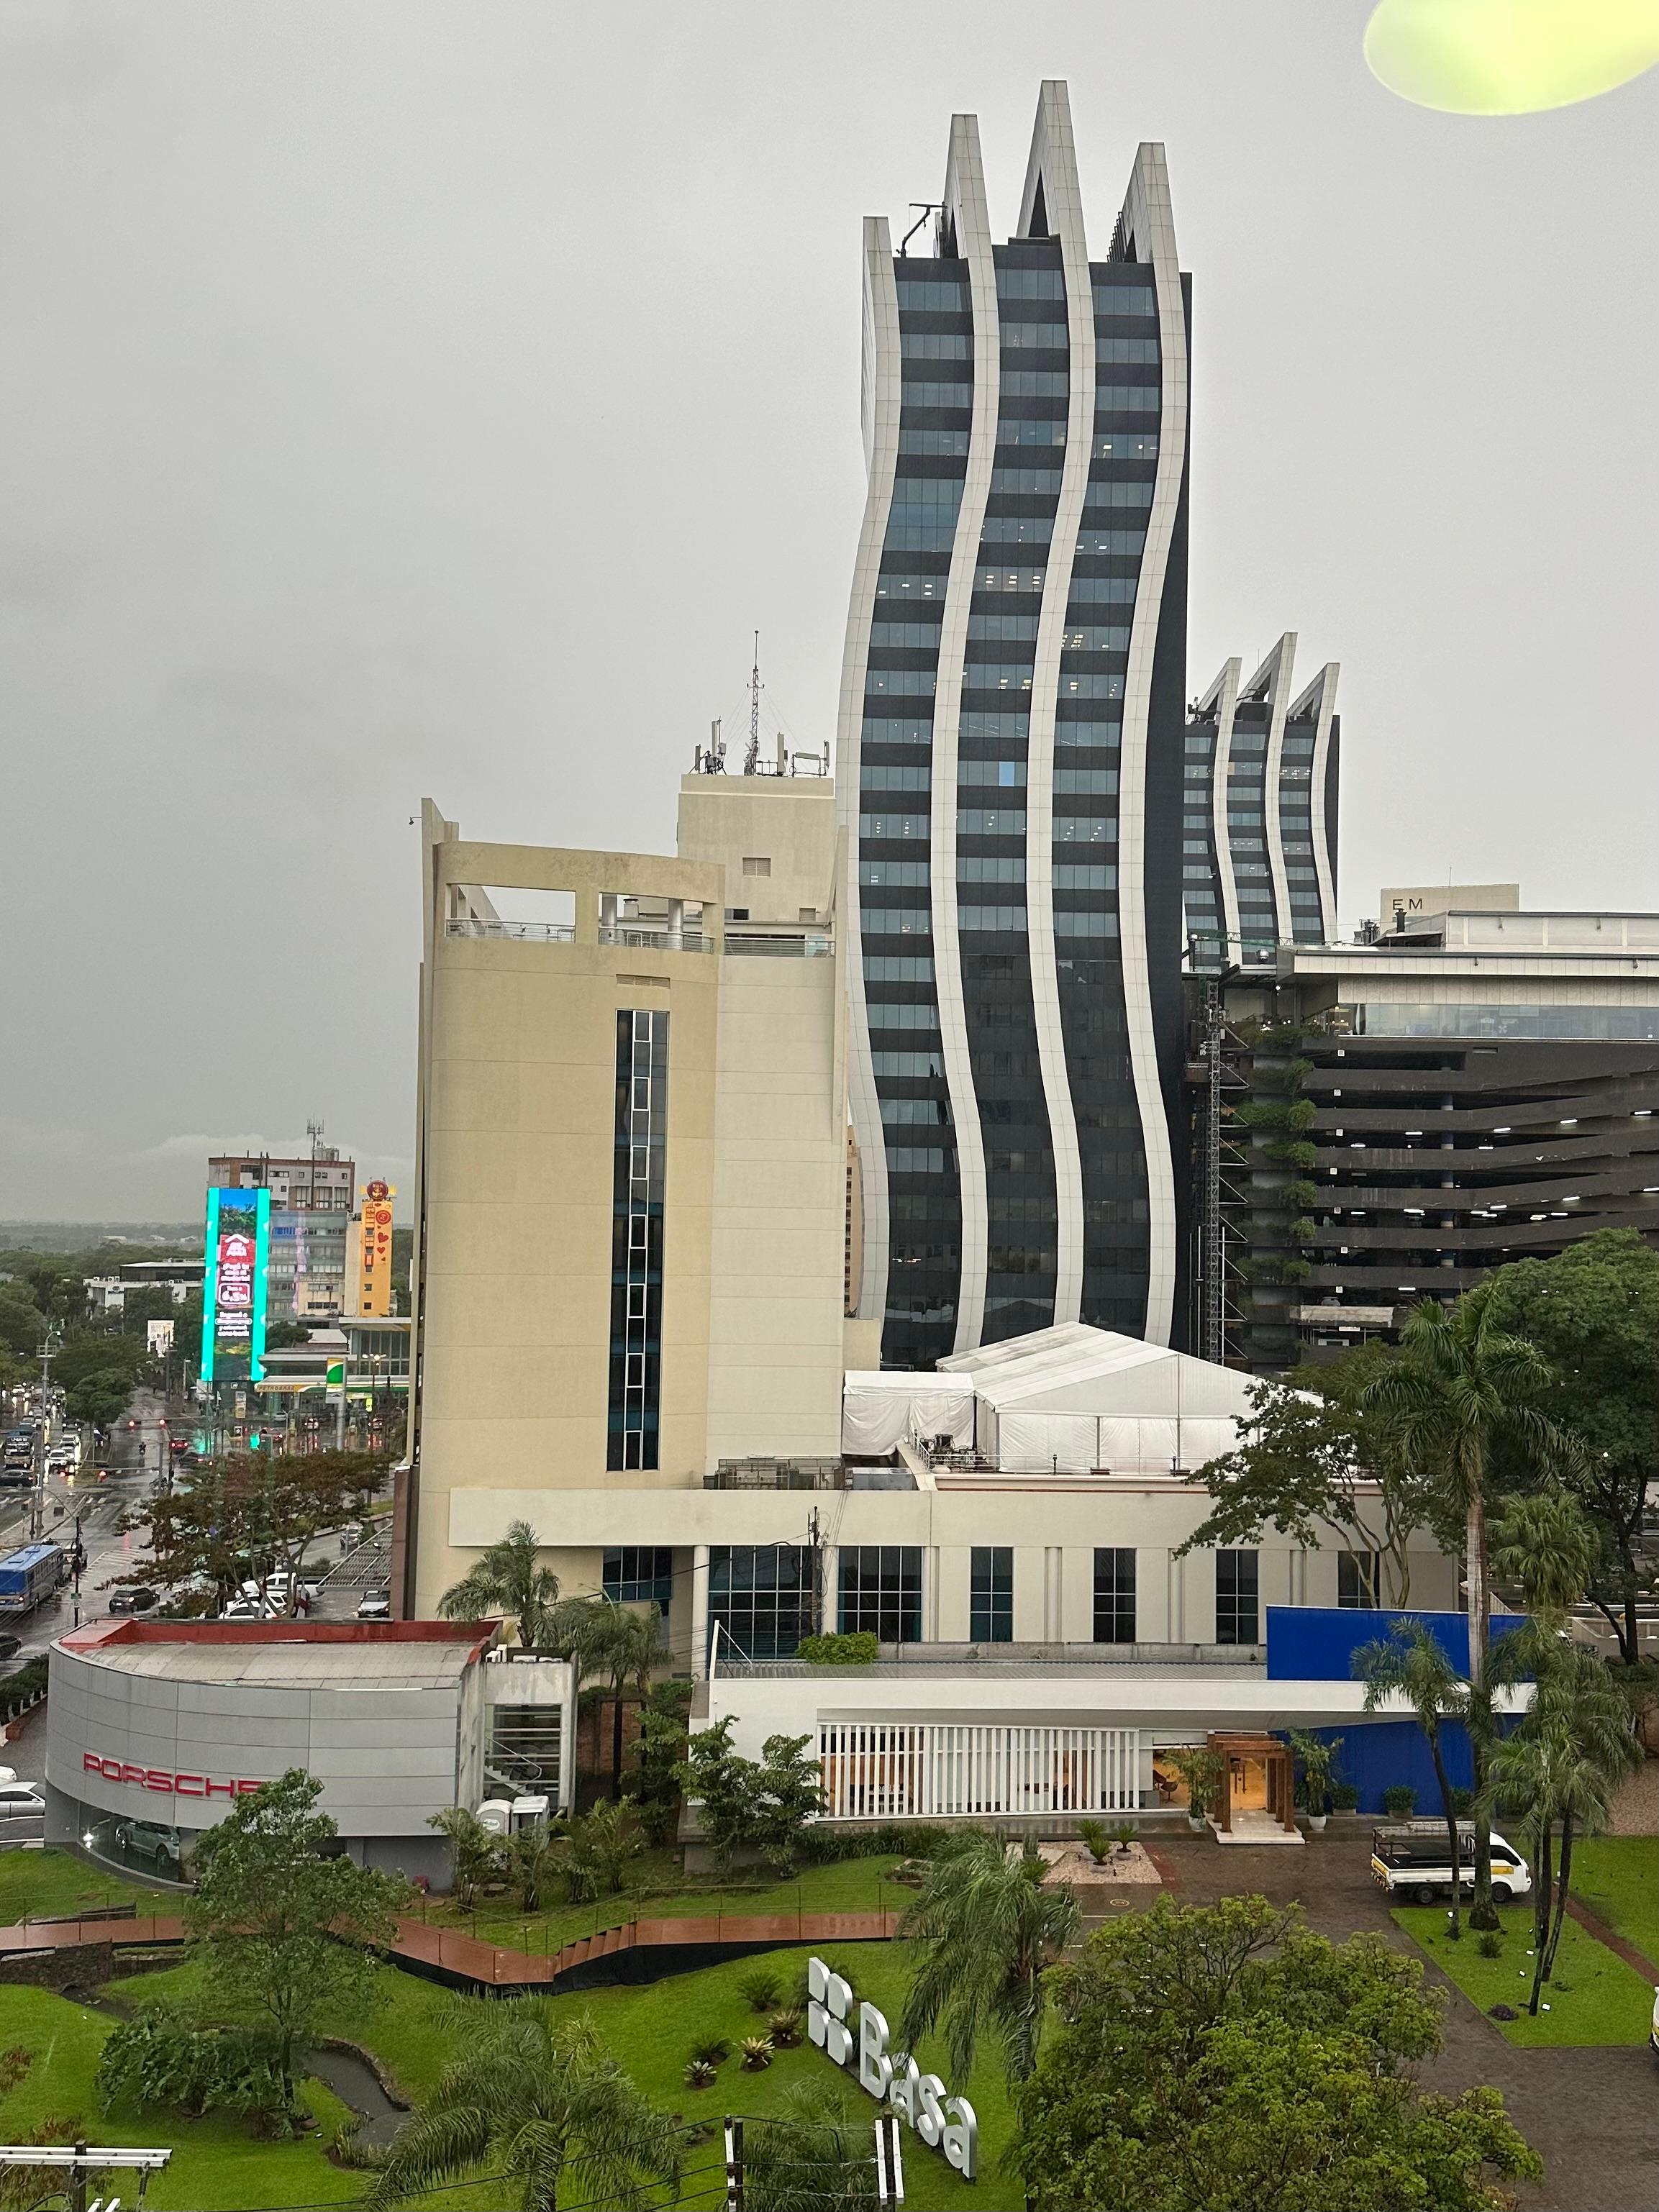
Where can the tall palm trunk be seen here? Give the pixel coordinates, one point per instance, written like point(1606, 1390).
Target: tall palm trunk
point(1450, 1811)
point(1482, 1912)
point(1564, 1876)
point(617, 1742)
point(1540, 1911)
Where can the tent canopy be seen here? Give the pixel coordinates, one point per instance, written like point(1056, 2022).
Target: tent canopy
point(880, 1412)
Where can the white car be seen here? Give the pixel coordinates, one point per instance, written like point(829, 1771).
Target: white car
point(249, 1608)
point(377, 1606)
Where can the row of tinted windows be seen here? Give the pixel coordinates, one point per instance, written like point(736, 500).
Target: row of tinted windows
point(990, 822)
point(958, 346)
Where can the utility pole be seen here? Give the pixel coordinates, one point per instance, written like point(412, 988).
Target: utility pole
point(38, 1493)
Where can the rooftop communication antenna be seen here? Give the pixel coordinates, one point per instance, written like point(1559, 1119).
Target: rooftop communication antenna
point(751, 758)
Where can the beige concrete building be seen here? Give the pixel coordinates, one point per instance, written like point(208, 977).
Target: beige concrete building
point(631, 1175)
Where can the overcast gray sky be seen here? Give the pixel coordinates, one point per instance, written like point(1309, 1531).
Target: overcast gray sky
point(407, 398)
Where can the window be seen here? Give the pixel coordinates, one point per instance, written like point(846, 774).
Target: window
point(1124, 300)
point(1019, 336)
point(881, 1590)
point(1010, 580)
point(1084, 830)
point(895, 779)
point(1358, 1580)
point(918, 1064)
point(1126, 445)
point(1052, 432)
point(917, 392)
point(952, 442)
point(1126, 398)
point(1003, 630)
point(1238, 1609)
point(525, 1745)
point(636, 1574)
point(904, 1018)
point(1115, 1596)
point(910, 873)
point(933, 294)
point(756, 864)
point(971, 919)
point(923, 635)
point(996, 676)
point(913, 729)
point(761, 1597)
point(893, 826)
point(991, 1595)
point(946, 345)
point(990, 871)
point(897, 922)
point(1095, 876)
point(897, 1112)
point(1096, 637)
point(1009, 774)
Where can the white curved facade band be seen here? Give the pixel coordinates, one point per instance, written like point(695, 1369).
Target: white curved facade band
point(965, 205)
point(1278, 669)
point(1053, 168)
point(1147, 226)
point(1324, 859)
point(1223, 696)
point(880, 408)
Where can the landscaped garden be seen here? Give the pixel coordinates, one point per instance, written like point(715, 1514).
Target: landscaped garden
point(56, 1885)
point(1595, 1997)
point(1617, 1879)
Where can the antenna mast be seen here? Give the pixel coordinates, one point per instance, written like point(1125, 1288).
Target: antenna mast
point(751, 758)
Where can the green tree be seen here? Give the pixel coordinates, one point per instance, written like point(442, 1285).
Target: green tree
point(789, 1793)
point(535, 1860)
point(538, 2101)
point(722, 1783)
point(1306, 1465)
point(1592, 1313)
point(987, 1930)
point(250, 1516)
point(1410, 1664)
point(507, 1578)
point(284, 1935)
point(477, 1854)
point(1220, 2058)
point(22, 1324)
point(1544, 1544)
point(627, 1651)
point(659, 1753)
point(1460, 1393)
point(603, 1845)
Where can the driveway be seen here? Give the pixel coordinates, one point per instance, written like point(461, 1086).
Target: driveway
point(1592, 2115)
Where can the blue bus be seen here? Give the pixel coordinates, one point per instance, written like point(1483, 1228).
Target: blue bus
point(28, 1577)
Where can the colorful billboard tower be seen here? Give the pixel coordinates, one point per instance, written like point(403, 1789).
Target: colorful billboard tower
point(238, 1250)
point(372, 1287)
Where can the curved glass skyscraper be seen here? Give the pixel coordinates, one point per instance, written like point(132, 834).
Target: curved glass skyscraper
point(1010, 761)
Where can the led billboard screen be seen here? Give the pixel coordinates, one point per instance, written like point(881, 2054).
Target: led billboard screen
point(238, 1250)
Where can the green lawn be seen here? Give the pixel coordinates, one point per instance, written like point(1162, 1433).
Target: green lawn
point(844, 1886)
point(651, 2029)
point(38, 1885)
point(216, 2166)
point(1597, 1999)
point(1618, 1878)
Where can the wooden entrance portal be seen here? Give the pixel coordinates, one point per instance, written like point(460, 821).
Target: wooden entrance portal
point(1271, 1755)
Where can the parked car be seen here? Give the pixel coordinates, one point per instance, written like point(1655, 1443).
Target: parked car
point(10, 1646)
point(20, 1806)
point(147, 1840)
point(248, 1609)
point(376, 1605)
point(134, 1600)
point(1411, 1858)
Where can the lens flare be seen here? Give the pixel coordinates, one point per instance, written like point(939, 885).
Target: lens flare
point(1509, 56)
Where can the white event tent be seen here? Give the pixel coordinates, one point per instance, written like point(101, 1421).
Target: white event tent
point(1067, 1400)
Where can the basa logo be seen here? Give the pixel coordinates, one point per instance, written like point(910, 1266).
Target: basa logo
point(158, 1778)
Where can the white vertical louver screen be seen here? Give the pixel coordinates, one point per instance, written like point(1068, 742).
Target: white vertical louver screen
point(873, 1772)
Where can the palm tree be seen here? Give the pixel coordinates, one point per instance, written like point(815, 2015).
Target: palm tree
point(988, 1930)
point(537, 2098)
point(1541, 1542)
point(612, 1644)
point(507, 1579)
point(1562, 1762)
point(1459, 1391)
point(1410, 1664)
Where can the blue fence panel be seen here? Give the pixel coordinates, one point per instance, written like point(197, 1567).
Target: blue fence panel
point(1317, 1642)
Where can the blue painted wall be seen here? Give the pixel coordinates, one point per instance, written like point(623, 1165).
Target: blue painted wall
point(1317, 1642)
point(1377, 1753)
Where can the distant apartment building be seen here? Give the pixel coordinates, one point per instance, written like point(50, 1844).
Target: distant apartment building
point(307, 1271)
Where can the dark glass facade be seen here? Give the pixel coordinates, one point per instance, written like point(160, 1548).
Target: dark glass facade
point(763, 1598)
point(1237, 1598)
point(636, 1238)
point(995, 678)
point(991, 1593)
point(1115, 1595)
point(880, 1591)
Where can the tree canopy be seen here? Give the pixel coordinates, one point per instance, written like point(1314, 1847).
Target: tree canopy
point(1593, 1312)
point(285, 1935)
point(250, 1511)
point(1222, 2058)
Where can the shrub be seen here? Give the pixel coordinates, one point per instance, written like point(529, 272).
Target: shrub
point(713, 2050)
point(761, 1990)
point(757, 2053)
point(1124, 1834)
point(160, 2056)
point(1345, 1798)
point(1096, 1840)
point(859, 1648)
point(700, 2075)
point(1400, 1801)
point(1462, 1803)
point(1490, 1943)
point(784, 2027)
